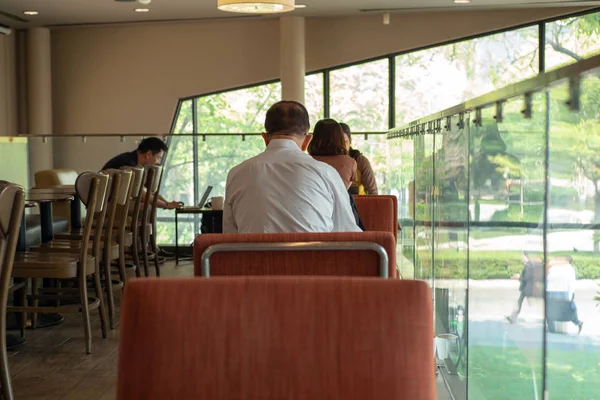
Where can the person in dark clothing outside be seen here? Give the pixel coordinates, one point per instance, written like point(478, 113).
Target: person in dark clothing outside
point(526, 285)
point(150, 151)
point(365, 182)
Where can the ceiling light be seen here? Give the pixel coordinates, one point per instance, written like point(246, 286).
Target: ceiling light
point(256, 6)
point(300, 6)
point(142, 10)
point(30, 12)
point(462, 1)
point(144, 2)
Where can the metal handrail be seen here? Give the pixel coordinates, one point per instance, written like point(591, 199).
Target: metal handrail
point(137, 135)
point(523, 88)
point(295, 246)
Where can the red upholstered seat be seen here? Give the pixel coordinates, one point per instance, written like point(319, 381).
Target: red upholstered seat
point(328, 262)
point(378, 213)
point(274, 338)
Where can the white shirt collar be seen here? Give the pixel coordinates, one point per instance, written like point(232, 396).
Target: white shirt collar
point(283, 144)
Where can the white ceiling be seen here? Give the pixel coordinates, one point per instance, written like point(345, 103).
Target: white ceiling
point(71, 12)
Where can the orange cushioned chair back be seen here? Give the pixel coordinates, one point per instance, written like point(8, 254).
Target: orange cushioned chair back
point(377, 213)
point(273, 338)
point(324, 262)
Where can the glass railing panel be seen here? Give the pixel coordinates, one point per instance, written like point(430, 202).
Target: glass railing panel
point(506, 210)
point(451, 198)
point(573, 239)
point(401, 179)
point(424, 207)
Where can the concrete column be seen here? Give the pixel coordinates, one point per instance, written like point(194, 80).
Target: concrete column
point(292, 58)
point(8, 88)
point(39, 99)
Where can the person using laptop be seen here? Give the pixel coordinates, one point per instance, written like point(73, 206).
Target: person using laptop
point(284, 189)
point(150, 151)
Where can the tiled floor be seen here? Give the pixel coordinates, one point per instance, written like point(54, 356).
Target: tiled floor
point(53, 364)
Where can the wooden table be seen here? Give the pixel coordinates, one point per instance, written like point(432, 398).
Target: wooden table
point(44, 201)
point(215, 222)
point(75, 203)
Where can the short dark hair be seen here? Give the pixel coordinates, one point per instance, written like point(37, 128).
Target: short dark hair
point(328, 139)
point(346, 129)
point(287, 118)
point(155, 145)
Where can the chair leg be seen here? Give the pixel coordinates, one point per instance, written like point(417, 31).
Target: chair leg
point(85, 313)
point(5, 383)
point(155, 251)
point(109, 292)
point(145, 252)
point(34, 294)
point(122, 270)
point(101, 310)
point(135, 245)
point(23, 301)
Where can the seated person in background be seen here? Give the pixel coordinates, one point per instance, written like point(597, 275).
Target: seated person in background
point(284, 189)
point(328, 145)
point(365, 182)
point(150, 151)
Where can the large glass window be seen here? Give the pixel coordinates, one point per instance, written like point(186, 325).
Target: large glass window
point(313, 97)
point(572, 39)
point(434, 79)
point(360, 96)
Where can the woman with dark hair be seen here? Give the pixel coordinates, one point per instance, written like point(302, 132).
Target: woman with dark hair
point(328, 145)
point(365, 182)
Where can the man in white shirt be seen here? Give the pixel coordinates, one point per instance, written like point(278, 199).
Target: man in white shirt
point(284, 189)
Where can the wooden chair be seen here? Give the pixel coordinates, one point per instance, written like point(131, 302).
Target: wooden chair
point(340, 253)
point(273, 338)
point(148, 217)
point(104, 247)
point(131, 213)
point(92, 189)
point(11, 209)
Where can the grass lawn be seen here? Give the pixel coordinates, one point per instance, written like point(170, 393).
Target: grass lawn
point(506, 373)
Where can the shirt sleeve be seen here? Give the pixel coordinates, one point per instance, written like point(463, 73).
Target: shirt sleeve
point(343, 217)
point(367, 176)
point(229, 225)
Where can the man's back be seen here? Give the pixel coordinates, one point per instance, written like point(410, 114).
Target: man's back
point(286, 190)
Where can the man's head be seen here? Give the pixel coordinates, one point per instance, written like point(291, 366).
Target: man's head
point(151, 151)
point(348, 135)
point(525, 256)
point(287, 120)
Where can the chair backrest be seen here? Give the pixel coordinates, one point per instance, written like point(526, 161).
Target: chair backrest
point(346, 262)
point(273, 338)
point(153, 178)
point(135, 197)
point(12, 200)
point(92, 189)
point(54, 177)
point(377, 213)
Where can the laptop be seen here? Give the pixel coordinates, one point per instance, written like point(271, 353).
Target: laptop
point(202, 200)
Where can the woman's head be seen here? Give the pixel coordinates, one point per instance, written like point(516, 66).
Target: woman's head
point(328, 139)
point(347, 134)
